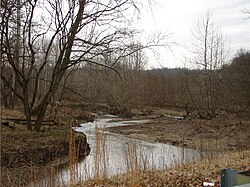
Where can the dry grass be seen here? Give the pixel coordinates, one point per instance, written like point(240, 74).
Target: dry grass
point(31, 156)
point(20, 147)
point(137, 175)
point(11, 113)
point(193, 174)
point(47, 156)
point(226, 132)
point(73, 157)
point(100, 157)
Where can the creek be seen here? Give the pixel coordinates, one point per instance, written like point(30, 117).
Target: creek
point(113, 154)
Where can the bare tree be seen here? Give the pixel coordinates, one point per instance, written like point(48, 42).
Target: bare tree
point(79, 32)
point(246, 12)
point(209, 55)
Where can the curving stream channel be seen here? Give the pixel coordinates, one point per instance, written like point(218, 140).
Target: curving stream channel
point(121, 152)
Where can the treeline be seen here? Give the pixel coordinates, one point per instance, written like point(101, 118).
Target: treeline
point(204, 92)
point(197, 91)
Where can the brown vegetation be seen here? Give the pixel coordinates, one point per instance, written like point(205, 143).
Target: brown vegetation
point(39, 57)
point(226, 132)
point(79, 60)
point(192, 174)
point(27, 154)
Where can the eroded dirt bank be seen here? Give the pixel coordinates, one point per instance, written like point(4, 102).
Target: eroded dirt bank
point(226, 132)
point(28, 156)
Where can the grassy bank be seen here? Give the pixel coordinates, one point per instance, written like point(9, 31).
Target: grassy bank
point(35, 148)
point(192, 174)
point(27, 155)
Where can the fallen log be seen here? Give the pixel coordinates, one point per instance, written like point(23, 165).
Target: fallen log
point(23, 121)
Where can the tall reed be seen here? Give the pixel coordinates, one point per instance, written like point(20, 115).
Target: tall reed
point(131, 159)
point(73, 157)
point(100, 155)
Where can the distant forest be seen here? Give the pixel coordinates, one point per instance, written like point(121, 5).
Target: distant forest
point(200, 92)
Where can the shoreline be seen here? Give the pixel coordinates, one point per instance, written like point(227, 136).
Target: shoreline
point(219, 134)
point(191, 174)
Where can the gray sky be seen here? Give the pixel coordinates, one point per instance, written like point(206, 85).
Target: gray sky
point(179, 16)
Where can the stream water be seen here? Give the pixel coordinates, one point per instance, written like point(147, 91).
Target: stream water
point(122, 153)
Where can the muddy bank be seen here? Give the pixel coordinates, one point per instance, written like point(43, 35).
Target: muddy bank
point(19, 148)
point(27, 156)
point(30, 156)
point(226, 132)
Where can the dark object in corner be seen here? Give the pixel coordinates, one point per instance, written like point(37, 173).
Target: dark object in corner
point(230, 178)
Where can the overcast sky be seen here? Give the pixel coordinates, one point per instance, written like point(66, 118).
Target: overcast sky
point(179, 16)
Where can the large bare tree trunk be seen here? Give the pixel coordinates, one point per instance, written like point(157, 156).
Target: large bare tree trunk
point(78, 37)
point(58, 76)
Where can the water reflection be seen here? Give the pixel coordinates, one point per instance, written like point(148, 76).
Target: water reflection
point(124, 154)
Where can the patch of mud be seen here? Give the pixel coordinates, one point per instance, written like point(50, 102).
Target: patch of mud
point(220, 134)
